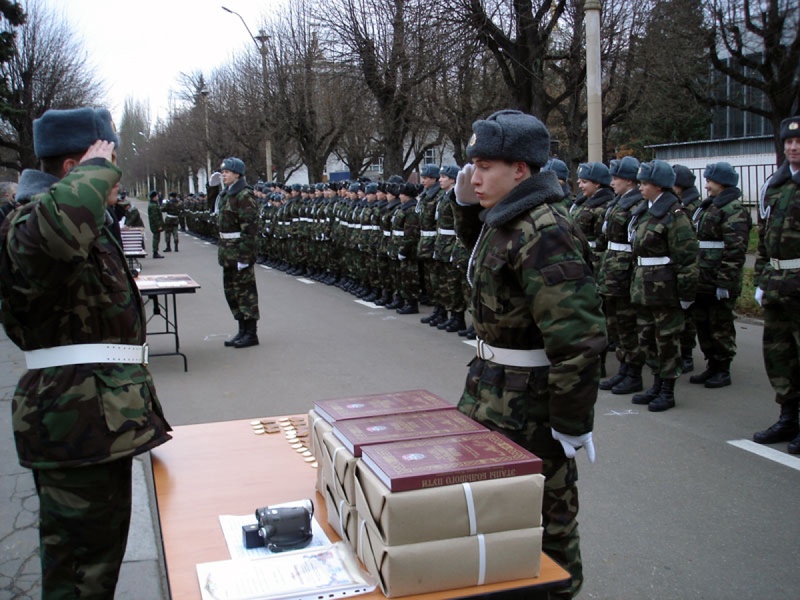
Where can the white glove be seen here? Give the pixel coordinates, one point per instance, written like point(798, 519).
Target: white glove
point(759, 296)
point(685, 304)
point(215, 179)
point(241, 266)
point(401, 256)
point(723, 294)
point(570, 443)
point(465, 191)
point(122, 222)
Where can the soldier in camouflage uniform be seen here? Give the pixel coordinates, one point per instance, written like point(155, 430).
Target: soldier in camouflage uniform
point(537, 315)
point(405, 240)
point(156, 222)
point(172, 217)
point(426, 214)
point(664, 280)
point(80, 414)
point(777, 275)
point(689, 196)
point(559, 167)
point(614, 278)
point(722, 224)
point(236, 252)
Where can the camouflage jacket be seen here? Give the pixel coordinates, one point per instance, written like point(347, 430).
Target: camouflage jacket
point(589, 216)
point(64, 281)
point(426, 216)
point(533, 289)
point(172, 211)
point(690, 200)
point(663, 231)
point(722, 221)
point(386, 216)
point(405, 231)
point(238, 213)
point(154, 216)
point(445, 227)
point(133, 218)
point(616, 264)
point(779, 238)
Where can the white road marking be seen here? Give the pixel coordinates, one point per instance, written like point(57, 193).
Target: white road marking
point(777, 456)
point(304, 280)
point(367, 304)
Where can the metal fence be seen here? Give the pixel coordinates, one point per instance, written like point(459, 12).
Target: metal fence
point(751, 180)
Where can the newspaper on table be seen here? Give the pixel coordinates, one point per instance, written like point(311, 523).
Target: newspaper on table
point(307, 574)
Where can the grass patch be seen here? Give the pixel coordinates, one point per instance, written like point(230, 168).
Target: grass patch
point(746, 305)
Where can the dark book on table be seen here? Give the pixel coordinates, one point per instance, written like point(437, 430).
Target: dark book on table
point(449, 460)
point(355, 407)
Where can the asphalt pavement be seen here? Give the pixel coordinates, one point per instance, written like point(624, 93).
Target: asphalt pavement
point(678, 504)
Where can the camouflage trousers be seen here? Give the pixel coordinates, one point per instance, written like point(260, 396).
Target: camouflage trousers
point(621, 325)
point(447, 287)
point(427, 277)
point(714, 320)
point(485, 402)
point(171, 235)
point(689, 335)
point(241, 292)
point(84, 515)
point(781, 350)
point(408, 279)
point(156, 241)
point(660, 329)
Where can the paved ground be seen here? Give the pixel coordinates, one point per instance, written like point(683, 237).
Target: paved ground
point(671, 509)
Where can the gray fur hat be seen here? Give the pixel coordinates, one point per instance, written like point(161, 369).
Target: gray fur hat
point(557, 166)
point(451, 171)
point(790, 127)
point(722, 173)
point(625, 168)
point(510, 135)
point(233, 164)
point(61, 132)
point(371, 188)
point(657, 172)
point(684, 178)
point(594, 171)
point(430, 171)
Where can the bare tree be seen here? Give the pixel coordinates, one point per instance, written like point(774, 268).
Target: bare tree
point(757, 46)
point(48, 70)
point(395, 46)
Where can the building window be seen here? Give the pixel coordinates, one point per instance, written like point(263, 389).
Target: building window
point(430, 157)
point(377, 166)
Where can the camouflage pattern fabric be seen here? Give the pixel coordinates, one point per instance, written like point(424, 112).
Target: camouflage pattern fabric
point(172, 216)
point(779, 238)
point(533, 288)
point(404, 244)
point(81, 510)
point(724, 219)
point(589, 216)
point(156, 223)
point(660, 329)
point(238, 213)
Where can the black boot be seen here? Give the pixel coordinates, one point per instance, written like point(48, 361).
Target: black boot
point(238, 336)
point(385, 298)
point(249, 338)
point(648, 396)
point(794, 446)
point(711, 368)
point(409, 308)
point(458, 323)
point(786, 429)
point(435, 314)
point(440, 318)
point(607, 384)
point(176, 247)
point(157, 255)
point(445, 322)
point(687, 363)
point(666, 397)
point(168, 249)
point(394, 304)
point(721, 376)
point(632, 382)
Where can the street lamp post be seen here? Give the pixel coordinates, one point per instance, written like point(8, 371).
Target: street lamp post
point(260, 41)
point(204, 93)
point(594, 100)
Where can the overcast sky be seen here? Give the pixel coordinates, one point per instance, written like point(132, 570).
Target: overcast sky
point(139, 47)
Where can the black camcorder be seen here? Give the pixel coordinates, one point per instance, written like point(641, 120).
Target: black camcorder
point(280, 528)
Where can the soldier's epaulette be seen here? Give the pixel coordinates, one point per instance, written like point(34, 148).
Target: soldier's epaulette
point(544, 218)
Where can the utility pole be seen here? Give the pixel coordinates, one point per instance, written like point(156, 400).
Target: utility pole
point(594, 100)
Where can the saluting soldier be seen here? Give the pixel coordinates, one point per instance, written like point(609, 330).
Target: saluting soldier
point(537, 315)
point(777, 275)
point(664, 280)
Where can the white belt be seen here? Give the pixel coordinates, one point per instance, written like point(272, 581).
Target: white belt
point(617, 247)
point(512, 358)
point(427, 233)
point(592, 245)
point(398, 232)
point(652, 261)
point(81, 354)
point(234, 235)
point(387, 233)
point(446, 231)
point(791, 263)
point(704, 245)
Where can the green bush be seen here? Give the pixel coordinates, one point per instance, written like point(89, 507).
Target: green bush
point(746, 305)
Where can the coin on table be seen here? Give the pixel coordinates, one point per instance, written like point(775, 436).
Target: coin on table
point(314, 464)
point(309, 459)
point(254, 423)
point(297, 445)
point(259, 431)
